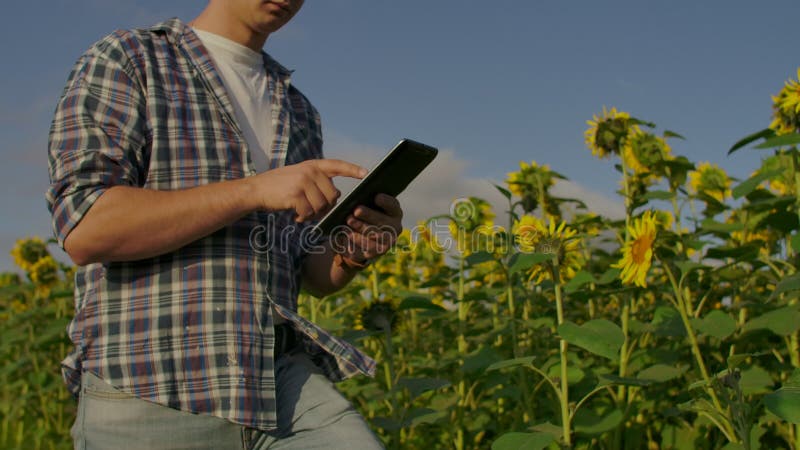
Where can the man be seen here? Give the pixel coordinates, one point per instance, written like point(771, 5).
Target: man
point(170, 149)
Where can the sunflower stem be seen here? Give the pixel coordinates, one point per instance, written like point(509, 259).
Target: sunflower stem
point(390, 375)
point(542, 197)
point(564, 398)
point(462, 308)
point(623, 354)
point(462, 350)
point(628, 200)
point(512, 313)
point(682, 307)
point(622, 391)
point(796, 178)
point(374, 286)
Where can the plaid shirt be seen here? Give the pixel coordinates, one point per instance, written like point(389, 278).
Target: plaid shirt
point(191, 329)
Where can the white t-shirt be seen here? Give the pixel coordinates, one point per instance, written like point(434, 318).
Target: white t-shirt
point(245, 77)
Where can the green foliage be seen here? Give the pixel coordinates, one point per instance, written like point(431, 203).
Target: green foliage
point(35, 408)
point(497, 347)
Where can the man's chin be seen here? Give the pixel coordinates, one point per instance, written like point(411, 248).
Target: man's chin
point(268, 25)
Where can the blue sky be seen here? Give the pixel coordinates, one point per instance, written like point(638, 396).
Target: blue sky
point(491, 83)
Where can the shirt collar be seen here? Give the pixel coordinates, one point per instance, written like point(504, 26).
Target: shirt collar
point(179, 32)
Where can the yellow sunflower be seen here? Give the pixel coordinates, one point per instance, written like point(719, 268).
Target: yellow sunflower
point(44, 274)
point(606, 134)
point(27, 252)
point(378, 315)
point(589, 223)
point(664, 219)
point(529, 181)
point(764, 238)
point(532, 235)
point(642, 150)
point(469, 216)
point(786, 107)
point(9, 279)
point(637, 254)
point(711, 180)
point(781, 183)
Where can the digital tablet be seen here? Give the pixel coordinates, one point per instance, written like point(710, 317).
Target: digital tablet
point(390, 176)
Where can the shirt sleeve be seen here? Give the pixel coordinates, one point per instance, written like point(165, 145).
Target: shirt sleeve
point(97, 135)
point(310, 243)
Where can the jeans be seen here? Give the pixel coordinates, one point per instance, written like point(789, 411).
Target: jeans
point(312, 414)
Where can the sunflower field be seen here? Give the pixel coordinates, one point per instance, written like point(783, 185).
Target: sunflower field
point(543, 326)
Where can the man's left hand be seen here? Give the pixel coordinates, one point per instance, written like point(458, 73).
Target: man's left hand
point(374, 232)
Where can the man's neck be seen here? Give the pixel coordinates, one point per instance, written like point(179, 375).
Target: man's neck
point(218, 22)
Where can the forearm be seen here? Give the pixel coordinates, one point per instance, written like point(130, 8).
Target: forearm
point(321, 276)
point(130, 223)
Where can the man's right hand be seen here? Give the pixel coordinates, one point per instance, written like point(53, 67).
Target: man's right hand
point(128, 223)
point(306, 187)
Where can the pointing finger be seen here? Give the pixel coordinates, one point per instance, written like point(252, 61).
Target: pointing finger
point(338, 167)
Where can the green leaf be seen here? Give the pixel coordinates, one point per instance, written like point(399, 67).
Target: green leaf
point(678, 437)
point(661, 372)
point(763, 134)
point(578, 202)
point(609, 276)
point(523, 441)
point(418, 416)
point(658, 195)
point(386, 423)
point(635, 121)
point(588, 422)
point(515, 362)
point(785, 402)
point(717, 324)
point(418, 386)
point(743, 252)
point(419, 302)
point(548, 428)
point(787, 284)
point(688, 266)
point(737, 359)
point(714, 226)
point(506, 193)
point(670, 134)
point(667, 322)
point(796, 242)
point(574, 374)
point(479, 257)
point(480, 359)
point(780, 141)
point(755, 380)
point(609, 379)
point(581, 278)
point(524, 261)
point(783, 221)
point(793, 380)
point(540, 322)
point(598, 336)
point(782, 321)
point(747, 186)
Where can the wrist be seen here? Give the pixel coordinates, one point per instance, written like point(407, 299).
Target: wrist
point(248, 196)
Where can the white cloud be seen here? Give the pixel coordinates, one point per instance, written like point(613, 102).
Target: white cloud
point(446, 180)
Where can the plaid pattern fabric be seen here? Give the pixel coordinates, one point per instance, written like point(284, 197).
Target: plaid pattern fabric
point(192, 329)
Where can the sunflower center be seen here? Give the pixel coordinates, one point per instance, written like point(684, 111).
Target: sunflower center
point(649, 151)
point(610, 133)
point(640, 247)
point(549, 246)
